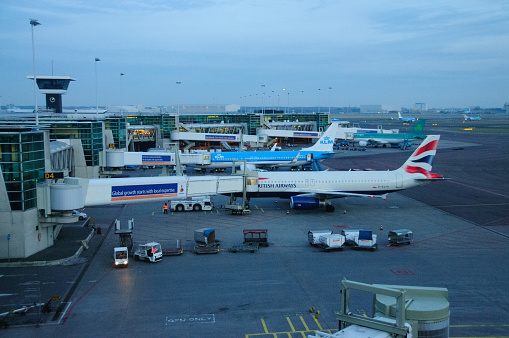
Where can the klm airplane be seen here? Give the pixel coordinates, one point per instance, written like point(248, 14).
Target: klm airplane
point(268, 159)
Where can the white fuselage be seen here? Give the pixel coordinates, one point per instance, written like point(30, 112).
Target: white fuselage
point(286, 184)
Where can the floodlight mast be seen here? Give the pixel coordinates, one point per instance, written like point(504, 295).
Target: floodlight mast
point(34, 22)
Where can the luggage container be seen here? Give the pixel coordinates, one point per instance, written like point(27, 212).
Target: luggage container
point(314, 235)
point(365, 240)
point(331, 242)
point(350, 235)
point(205, 236)
point(401, 236)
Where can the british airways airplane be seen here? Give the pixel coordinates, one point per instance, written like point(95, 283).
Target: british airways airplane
point(311, 190)
point(322, 149)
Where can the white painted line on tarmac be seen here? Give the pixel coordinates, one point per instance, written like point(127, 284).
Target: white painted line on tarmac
point(64, 312)
point(191, 319)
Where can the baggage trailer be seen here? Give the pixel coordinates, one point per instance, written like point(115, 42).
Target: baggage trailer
point(350, 235)
point(172, 248)
point(365, 240)
point(331, 242)
point(314, 235)
point(206, 240)
point(207, 248)
point(401, 236)
point(245, 248)
point(256, 236)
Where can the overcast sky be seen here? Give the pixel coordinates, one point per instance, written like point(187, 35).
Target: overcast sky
point(446, 53)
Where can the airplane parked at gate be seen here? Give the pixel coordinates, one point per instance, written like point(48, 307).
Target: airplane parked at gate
point(383, 139)
point(322, 149)
point(311, 190)
point(307, 190)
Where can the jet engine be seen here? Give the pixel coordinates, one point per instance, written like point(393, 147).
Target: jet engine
point(363, 143)
point(304, 202)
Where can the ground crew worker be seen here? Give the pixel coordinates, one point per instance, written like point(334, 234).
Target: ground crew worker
point(165, 208)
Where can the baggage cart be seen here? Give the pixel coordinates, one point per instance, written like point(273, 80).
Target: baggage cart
point(331, 242)
point(350, 235)
point(401, 236)
point(212, 248)
point(172, 247)
point(205, 236)
point(256, 236)
point(365, 240)
point(245, 248)
point(314, 235)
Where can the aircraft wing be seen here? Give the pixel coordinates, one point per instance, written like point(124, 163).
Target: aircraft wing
point(337, 194)
point(295, 158)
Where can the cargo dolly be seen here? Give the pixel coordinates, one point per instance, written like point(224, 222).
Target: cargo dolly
point(172, 248)
point(206, 241)
point(256, 236)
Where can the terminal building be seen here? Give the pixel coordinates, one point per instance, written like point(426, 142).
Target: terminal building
point(37, 152)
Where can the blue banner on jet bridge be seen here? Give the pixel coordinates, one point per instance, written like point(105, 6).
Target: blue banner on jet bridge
point(156, 159)
point(211, 137)
point(143, 191)
point(305, 134)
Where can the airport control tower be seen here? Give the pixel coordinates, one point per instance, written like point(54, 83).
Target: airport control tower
point(53, 87)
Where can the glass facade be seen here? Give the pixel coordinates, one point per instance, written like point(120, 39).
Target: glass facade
point(22, 163)
point(89, 132)
point(118, 127)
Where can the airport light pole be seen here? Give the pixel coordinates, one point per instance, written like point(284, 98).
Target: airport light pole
point(34, 22)
point(178, 96)
point(121, 96)
point(319, 99)
point(263, 95)
point(302, 106)
point(96, 101)
point(329, 98)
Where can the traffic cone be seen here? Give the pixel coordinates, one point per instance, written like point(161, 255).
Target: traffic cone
point(276, 201)
point(381, 227)
point(288, 212)
point(344, 212)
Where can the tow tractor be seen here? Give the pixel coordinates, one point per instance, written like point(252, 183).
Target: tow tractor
point(150, 252)
point(121, 256)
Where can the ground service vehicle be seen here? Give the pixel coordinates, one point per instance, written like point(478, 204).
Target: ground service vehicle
point(402, 236)
point(314, 235)
point(121, 256)
point(150, 252)
point(195, 204)
point(365, 240)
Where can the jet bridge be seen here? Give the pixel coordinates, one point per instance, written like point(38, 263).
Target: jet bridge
point(76, 193)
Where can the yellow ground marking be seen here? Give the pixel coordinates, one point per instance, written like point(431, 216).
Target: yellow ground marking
point(262, 209)
point(303, 322)
point(152, 213)
point(317, 323)
point(290, 323)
